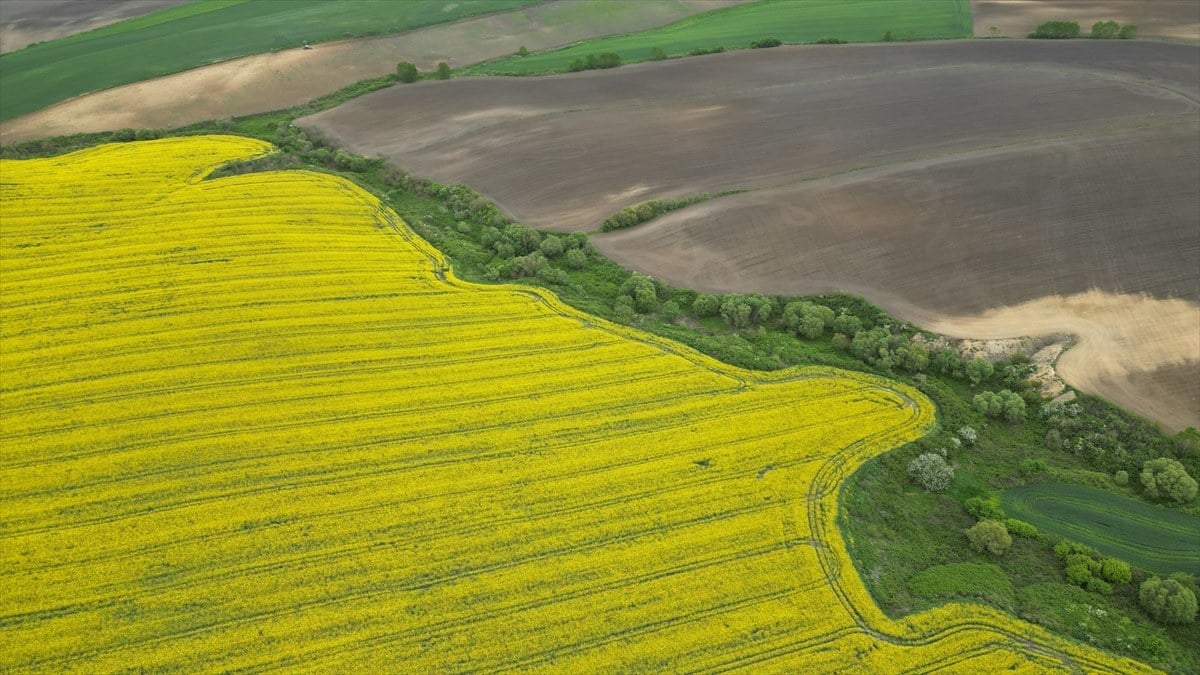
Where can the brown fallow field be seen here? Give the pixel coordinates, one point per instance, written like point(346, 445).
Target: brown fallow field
point(979, 188)
point(265, 82)
point(1170, 19)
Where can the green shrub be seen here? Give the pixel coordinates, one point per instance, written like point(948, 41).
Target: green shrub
point(443, 71)
point(1166, 479)
point(1115, 571)
point(1056, 30)
point(407, 72)
point(1105, 30)
point(1167, 600)
point(1128, 32)
point(984, 508)
point(887, 37)
point(705, 305)
point(765, 43)
point(830, 41)
point(576, 259)
point(669, 311)
point(522, 51)
point(1021, 528)
point(989, 536)
point(931, 472)
point(657, 54)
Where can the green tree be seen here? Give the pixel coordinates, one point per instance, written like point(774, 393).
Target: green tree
point(1128, 32)
point(1115, 571)
point(989, 536)
point(407, 72)
point(931, 472)
point(669, 311)
point(705, 305)
point(1166, 479)
point(443, 71)
point(576, 259)
point(847, 324)
point(1105, 30)
point(551, 246)
point(1167, 600)
point(522, 51)
point(979, 369)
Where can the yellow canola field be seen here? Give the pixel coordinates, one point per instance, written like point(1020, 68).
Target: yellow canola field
point(254, 423)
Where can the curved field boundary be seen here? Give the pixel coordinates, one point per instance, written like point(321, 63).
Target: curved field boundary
point(199, 33)
point(499, 483)
point(1152, 537)
point(785, 20)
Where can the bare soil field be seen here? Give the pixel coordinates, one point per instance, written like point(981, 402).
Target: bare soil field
point(286, 78)
point(24, 22)
point(952, 183)
point(1172, 19)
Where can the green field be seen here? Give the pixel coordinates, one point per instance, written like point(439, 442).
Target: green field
point(792, 21)
point(202, 32)
point(1152, 537)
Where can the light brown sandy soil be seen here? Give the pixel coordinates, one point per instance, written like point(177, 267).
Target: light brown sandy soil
point(282, 79)
point(1173, 19)
point(938, 180)
point(24, 22)
point(1140, 352)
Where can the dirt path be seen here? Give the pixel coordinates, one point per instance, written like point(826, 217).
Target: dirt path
point(1173, 19)
point(282, 79)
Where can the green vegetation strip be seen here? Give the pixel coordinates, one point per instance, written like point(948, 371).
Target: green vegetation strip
point(791, 21)
point(1152, 537)
point(198, 33)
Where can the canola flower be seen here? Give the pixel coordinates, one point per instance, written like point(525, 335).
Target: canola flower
point(255, 423)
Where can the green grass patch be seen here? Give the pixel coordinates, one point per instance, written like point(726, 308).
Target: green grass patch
point(198, 33)
point(1152, 537)
point(966, 580)
point(736, 27)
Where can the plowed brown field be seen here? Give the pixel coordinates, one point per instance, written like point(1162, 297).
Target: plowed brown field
point(939, 179)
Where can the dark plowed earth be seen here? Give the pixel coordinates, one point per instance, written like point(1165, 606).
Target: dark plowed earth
point(563, 152)
point(937, 179)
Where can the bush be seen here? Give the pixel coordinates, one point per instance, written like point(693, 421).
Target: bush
point(551, 246)
point(701, 51)
point(705, 305)
point(1167, 600)
point(1056, 30)
point(576, 259)
point(968, 435)
point(989, 536)
point(1105, 30)
point(978, 369)
point(1128, 32)
point(669, 311)
point(124, 135)
point(1121, 478)
point(887, 37)
point(1098, 585)
point(1166, 479)
point(657, 54)
point(830, 41)
point(984, 508)
point(847, 324)
point(765, 43)
point(522, 51)
point(1115, 571)
point(407, 72)
point(1003, 403)
point(807, 319)
point(443, 71)
point(931, 472)
point(1021, 528)
point(1032, 467)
